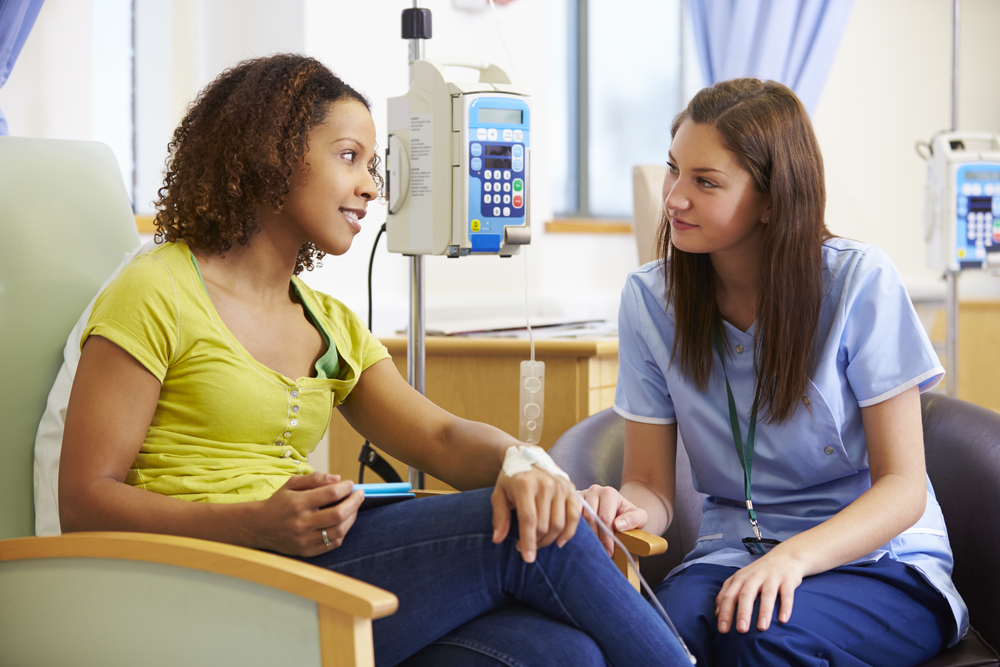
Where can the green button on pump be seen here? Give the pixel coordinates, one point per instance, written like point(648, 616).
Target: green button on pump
point(518, 185)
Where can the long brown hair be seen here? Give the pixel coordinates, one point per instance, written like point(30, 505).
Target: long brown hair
point(767, 129)
point(236, 148)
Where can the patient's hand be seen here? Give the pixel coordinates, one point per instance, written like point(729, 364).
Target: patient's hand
point(292, 521)
point(548, 510)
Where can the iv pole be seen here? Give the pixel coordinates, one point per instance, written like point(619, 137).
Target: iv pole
point(416, 28)
point(951, 276)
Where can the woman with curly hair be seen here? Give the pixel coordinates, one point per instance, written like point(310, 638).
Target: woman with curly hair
point(209, 371)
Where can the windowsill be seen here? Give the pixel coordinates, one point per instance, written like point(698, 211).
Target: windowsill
point(588, 226)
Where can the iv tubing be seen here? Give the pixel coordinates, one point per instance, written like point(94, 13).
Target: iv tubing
point(663, 612)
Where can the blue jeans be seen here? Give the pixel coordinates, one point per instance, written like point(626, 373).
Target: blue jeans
point(880, 613)
point(438, 557)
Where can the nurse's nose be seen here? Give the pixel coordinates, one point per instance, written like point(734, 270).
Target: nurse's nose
point(675, 198)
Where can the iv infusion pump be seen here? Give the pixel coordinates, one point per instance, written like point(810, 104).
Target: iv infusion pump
point(457, 163)
point(962, 203)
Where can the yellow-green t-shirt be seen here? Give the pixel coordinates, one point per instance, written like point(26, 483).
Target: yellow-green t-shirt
point(226, 428)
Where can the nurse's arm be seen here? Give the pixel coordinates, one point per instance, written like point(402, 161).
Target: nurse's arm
point(895, 501)
point(646, 498)
point(648, 472)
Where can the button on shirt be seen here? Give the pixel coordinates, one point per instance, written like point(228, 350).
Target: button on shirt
point(870, 347)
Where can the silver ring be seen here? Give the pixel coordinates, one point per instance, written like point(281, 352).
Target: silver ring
point(326, 540)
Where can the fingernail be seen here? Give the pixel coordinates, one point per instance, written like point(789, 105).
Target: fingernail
point(620, 524)
point(529, 557)
point(741, 626)
point(723, 627)
point(560, 543)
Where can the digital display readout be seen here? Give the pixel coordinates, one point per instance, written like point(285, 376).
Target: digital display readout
point(504, 116)
point(982, 176)
point(497, 163)
point(492, 149)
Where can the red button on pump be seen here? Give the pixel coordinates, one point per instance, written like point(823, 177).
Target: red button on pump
point(518, 201)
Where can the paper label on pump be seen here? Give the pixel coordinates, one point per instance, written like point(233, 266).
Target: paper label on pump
point(421, 175)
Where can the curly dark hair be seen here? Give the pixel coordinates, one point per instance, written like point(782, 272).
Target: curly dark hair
point(236, 147)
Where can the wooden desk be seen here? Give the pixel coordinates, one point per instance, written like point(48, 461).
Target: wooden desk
point(477, 378)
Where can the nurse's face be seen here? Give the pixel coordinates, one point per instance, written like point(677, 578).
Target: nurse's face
point(711, 202)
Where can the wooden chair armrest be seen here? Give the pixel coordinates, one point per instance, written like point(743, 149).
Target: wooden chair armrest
point(639, 543)
point(329, 589)
point(428, 493)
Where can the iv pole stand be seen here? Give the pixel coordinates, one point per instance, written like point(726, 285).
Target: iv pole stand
point(950, 275)
point(415, 332)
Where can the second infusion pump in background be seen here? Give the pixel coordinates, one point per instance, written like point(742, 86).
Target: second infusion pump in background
point(458, 163)
point(962, 206)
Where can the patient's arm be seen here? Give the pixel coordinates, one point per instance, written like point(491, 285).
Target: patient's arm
point(109, 413)
point(466, 454)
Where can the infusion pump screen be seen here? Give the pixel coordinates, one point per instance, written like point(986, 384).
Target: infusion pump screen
point(497, 143)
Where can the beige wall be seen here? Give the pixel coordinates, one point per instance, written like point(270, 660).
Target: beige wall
point(889, 86)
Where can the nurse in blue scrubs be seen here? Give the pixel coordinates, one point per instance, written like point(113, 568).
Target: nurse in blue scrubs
point(790, 363)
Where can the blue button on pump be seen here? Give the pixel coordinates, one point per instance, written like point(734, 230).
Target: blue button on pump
point(477, 149)
point(518, 151)
point(476, 164)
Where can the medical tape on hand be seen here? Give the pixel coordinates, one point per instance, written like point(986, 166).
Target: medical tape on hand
point(520, 458)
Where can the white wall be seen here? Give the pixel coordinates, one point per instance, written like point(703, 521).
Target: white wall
point(889, 86)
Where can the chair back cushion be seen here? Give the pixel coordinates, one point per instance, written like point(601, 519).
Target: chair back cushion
point(66, 222)
point(647, 200)
point(962, 446)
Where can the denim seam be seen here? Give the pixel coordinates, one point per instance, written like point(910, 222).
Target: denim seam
point(411, 545)
point(481, 648)
point(555, 595)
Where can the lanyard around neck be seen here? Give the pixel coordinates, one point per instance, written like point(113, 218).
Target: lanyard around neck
point(746, 457)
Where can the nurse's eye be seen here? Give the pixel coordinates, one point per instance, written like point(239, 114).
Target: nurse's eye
point(349, 156)
point(706, 183)
point(672, 167)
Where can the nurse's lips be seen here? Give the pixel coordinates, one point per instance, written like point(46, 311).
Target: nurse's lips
point(680, 225)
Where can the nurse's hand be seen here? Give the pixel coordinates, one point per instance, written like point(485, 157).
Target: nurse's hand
point(292, 520)
point(771, 576)
point(548, 510)
point(614, 510)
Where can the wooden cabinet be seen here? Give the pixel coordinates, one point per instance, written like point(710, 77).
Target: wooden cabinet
point(477, 378)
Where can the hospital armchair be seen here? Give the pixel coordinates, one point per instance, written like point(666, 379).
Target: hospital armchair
point(124, 598)
point(962, 446)
point(647, 200)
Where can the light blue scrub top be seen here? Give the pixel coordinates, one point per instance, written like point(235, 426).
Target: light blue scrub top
point(870, 346)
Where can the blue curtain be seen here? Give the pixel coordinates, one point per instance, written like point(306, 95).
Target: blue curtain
point(16, 19)
point(791, 41)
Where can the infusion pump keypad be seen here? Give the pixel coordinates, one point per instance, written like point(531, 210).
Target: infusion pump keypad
point(978, 213)
point(499, 169)
point(496, 144)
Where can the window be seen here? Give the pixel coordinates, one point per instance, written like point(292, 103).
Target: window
point(628, 69)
